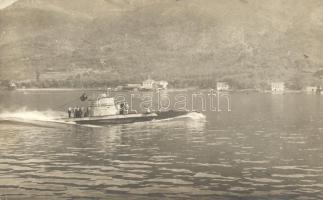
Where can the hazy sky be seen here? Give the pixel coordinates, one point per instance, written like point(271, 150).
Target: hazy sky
point(5, 3)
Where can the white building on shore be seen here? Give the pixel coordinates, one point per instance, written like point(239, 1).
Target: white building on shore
point(148, 84)
point(151, 84)
point(277, 87)
point(162, 85)
point(222, 86)
point(311, 89)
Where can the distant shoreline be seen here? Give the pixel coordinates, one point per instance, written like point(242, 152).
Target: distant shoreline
point(56, 89)
point(169, 90)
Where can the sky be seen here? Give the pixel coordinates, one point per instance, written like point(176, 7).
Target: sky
point(6, 3)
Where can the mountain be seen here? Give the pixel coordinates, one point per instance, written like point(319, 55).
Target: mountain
point(6, 3)
point(246, 42)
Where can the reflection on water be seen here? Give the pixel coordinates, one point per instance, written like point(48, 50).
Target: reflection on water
point(268, 147)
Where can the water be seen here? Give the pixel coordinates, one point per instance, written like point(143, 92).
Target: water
point(267, 147)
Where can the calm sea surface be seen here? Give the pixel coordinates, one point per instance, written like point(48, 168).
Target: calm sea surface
point(267, 147)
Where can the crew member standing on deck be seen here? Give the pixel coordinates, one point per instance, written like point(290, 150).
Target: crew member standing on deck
point(75, 112)
point(69, 111)
point(126, 108)
point(78, 110)
point(82, 112)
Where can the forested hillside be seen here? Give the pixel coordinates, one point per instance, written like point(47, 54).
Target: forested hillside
point(248, 43)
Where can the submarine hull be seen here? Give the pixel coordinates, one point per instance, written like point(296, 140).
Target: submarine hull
point(127, 118)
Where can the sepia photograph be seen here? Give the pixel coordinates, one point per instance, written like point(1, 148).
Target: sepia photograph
point(161, 99)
